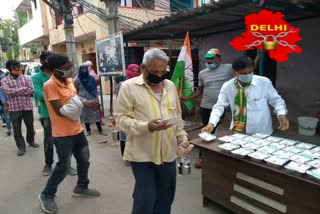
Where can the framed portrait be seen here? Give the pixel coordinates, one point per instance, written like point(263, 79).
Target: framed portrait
point(110, 54)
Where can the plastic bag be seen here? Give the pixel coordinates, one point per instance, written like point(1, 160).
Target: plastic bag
point(73, 109)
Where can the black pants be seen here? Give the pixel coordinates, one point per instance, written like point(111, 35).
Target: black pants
point(98, 126)
point(47, 141)
point(65, 147)
point(16, 118)
point(205, 116)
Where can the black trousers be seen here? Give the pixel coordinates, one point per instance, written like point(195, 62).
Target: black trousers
point(65, 147)
point(88, 128)
point(47, 141)
point(16, 118)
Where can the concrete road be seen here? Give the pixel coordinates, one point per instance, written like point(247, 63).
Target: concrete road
point(21, 181)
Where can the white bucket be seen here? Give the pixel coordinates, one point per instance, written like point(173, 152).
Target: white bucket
point(307, 125)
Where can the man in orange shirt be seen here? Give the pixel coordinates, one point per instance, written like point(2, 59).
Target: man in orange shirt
point(68, 136)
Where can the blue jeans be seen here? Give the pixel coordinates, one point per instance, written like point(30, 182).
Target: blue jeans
point(47, 141)
point(5, 117)
point(155, 187)
point(65, 147)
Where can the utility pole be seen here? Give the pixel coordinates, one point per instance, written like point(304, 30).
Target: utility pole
point(66, 9)
point(112, 22)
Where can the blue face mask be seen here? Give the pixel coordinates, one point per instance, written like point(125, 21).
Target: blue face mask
point(211, 66)
point(246, 78)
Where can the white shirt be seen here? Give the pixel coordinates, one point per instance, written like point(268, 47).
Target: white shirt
point(259, 94)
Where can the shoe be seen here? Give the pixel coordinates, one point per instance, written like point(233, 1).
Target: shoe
point(89, 193)
point(21, 152)
point(88, 133)
point(4, 125)
point(46, 170)
point(48, 205)
point(72, 171)
point(198, 164)
point(34, 145)
point(9, 132)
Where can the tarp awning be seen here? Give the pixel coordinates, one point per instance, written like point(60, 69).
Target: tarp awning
point(221, 17)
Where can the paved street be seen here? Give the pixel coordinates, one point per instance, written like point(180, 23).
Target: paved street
point(21, 181)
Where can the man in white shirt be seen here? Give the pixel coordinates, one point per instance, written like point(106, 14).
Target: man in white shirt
point(248, 96)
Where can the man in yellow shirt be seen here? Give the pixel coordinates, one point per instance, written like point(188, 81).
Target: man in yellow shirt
point(67, 135)
point(152, 146)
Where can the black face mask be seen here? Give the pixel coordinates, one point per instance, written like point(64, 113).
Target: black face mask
point(155, 79)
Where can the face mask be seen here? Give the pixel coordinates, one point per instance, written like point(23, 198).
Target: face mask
point(66, 74)
point(16, 72)
point(155, 79)
point(246, 78)
point(211, 66)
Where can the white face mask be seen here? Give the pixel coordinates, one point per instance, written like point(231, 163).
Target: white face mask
point(66, 74)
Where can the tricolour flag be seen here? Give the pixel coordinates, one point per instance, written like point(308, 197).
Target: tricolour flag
point(182, 75)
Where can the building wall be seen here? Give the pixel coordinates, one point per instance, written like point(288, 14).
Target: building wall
point(37, 25)
point(297, 79)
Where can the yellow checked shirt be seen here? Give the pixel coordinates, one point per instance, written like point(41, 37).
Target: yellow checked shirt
point(136, 105)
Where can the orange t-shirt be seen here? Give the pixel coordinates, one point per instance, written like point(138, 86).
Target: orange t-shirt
point(55, 90)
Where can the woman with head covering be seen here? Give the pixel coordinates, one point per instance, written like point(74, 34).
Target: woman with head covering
point(133, 70)
point(86, 86)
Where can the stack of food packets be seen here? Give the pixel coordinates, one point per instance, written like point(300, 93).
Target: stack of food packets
point(293, 155)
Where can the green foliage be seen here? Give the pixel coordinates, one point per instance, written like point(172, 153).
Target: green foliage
point(10, 41)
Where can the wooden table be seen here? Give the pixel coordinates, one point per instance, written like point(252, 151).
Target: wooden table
point(246, 186)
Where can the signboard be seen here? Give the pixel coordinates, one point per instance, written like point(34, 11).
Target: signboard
point(110, 54)
point(268, 31)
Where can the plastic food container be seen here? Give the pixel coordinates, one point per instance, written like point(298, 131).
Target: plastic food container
point(276, 161)
point(240, 142)
point(311, 153)
point(283, 154)
point(262, 142)
point(298, 167)
point(207, 136)
point(314, 172)
point(260, 136)
point(242, 152)
point(251, 146)
point(300, 158)
point(274, 139)
point(251, 139)
point(228, 146)
point(305, 145)
point(258, 156)
point(277, 145)
point(314, 163)
point(293, 149)
point(268, 149)
point(239, 136)
point(227, 138)
point(287, 142)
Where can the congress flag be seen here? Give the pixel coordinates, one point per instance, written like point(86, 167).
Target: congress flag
point(182, 75)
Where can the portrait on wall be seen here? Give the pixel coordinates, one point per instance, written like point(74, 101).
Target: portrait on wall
point(110, 54)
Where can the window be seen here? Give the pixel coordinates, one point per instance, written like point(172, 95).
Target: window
point(148, 4)
point(80, 10)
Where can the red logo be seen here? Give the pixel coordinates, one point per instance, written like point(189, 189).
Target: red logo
point(270, 32)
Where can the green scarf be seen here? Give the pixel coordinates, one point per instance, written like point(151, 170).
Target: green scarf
point(240, 105)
